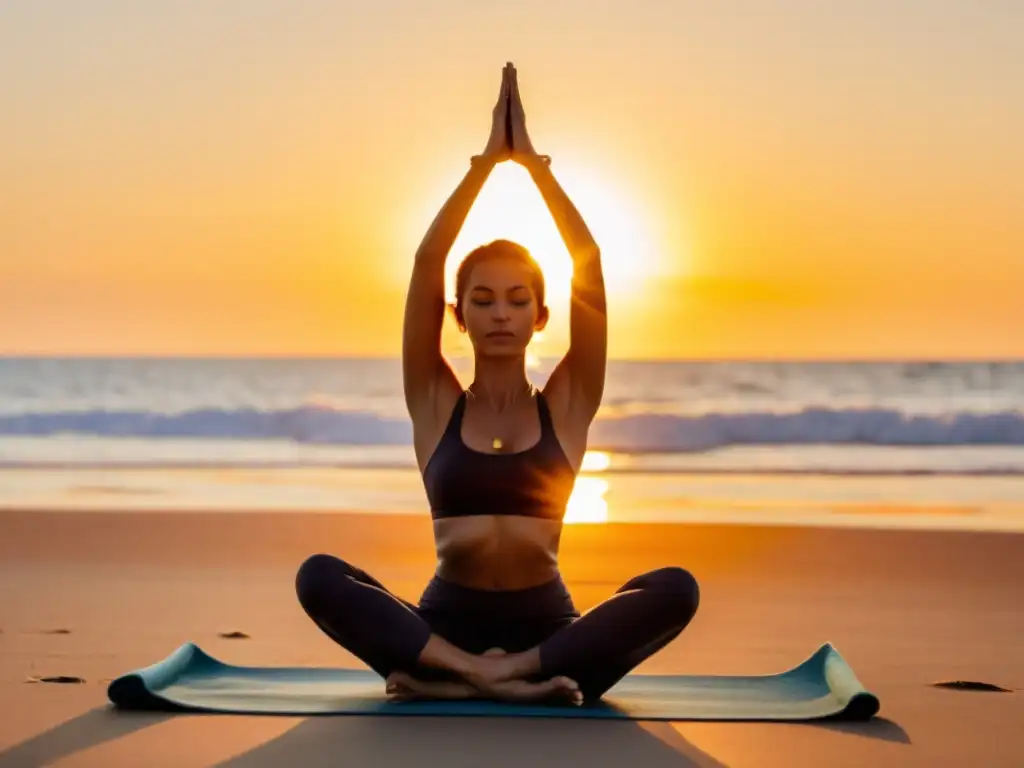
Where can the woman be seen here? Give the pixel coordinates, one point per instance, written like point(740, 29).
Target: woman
point(499, 461)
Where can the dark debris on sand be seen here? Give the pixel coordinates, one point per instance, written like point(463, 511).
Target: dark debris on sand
point(59, 631)
point(970, 685)
point(236, 635)
point(65, 679)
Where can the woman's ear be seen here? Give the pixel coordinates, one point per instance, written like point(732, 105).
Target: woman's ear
point(457, 315)
point(543, 315)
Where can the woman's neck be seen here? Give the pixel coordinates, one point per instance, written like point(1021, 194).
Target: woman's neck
point(500, 382)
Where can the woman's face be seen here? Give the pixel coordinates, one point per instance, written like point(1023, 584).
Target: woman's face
point(499, 308)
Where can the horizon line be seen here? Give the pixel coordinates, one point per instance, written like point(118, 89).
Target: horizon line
point(283, 356)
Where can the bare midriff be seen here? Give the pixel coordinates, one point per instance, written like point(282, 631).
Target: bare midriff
point(497, 552)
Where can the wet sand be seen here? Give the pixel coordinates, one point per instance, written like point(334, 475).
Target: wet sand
point(906, 609)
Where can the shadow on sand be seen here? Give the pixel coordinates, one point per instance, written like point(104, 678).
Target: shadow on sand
point(491, 742)
point(875, 728)
point(97, 726)
point(367, 740)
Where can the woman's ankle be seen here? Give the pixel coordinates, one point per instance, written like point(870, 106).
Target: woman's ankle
point(526, 663)
point(441, 654)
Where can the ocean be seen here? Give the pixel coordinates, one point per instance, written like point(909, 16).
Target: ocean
point(736, 440)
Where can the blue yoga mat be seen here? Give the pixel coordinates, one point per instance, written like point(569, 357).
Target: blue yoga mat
point(822, 686)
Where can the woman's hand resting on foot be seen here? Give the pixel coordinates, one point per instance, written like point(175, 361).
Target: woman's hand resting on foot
point(489, 681)
point(497, 675)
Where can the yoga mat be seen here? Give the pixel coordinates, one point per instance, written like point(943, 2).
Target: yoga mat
point(192, 680)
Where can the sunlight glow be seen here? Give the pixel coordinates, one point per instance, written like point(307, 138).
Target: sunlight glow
point(533, 360)
point(510, 206)
point(596, 461)
point(587, 503)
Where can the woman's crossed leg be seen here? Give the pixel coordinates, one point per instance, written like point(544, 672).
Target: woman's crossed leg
point(590, 654)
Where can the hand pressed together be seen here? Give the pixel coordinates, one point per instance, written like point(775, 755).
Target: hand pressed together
point(499, 148)
point(509, 138)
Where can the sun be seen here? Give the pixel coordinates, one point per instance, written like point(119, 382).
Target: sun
point(510, 206)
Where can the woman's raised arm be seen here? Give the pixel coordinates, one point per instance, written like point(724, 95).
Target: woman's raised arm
point(577, 383)
point(424, 369)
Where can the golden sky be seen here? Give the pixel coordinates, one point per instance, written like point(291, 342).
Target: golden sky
point(776, 179)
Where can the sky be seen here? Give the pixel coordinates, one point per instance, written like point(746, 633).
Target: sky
point(786, 179)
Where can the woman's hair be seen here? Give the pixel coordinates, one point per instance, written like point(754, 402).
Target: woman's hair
point(497, 249)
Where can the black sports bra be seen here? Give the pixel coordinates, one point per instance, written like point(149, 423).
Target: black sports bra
point(461, 481)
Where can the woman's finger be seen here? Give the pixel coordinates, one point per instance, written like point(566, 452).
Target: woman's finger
point(503, 90)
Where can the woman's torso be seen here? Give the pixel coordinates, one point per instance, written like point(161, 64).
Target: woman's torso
point(497, 512)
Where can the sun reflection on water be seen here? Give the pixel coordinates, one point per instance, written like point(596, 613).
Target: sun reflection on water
point(596, 461)
point(588, 504)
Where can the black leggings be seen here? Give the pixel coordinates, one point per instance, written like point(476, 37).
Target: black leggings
point(596, 649)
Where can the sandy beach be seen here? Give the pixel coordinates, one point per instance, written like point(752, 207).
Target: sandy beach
point(96, 594)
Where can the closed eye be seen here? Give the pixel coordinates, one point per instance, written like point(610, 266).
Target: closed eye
point(519, 296)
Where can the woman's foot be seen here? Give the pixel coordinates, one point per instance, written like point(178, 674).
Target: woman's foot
point(559, 688)
point(496, 666)
point(401, 686)
point(556, 690)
